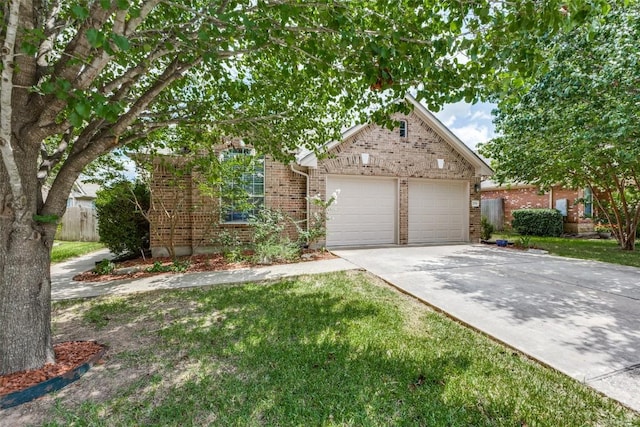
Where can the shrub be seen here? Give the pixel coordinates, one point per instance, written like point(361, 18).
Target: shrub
point(230, 245)
point(487, 228)
point(270, 252)
point(122, 224)
point(537, 222)
point(104, 267)
point(523, 242)
point(268, 226)
point(317, 223)
point(177, 267)
point(270, 242)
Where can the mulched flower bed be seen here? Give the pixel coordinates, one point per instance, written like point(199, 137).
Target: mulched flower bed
point(69, 355)
point(196, 263)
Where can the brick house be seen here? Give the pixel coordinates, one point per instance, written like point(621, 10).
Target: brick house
point(416, 184)
point(576, 205)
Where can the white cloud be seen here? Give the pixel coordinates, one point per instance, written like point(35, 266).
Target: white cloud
point(130, 171)
point(450, 113)
point(471, 135)
point(472, 123)
point(481, 115)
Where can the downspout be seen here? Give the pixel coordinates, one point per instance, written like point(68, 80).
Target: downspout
point(299, 172)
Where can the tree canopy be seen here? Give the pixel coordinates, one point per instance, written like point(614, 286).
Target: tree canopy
point(578, 123)
point(82, 78)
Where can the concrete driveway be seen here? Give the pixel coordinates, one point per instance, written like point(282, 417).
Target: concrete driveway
point(580, 317)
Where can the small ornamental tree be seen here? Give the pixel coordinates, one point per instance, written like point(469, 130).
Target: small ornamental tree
point(578, 123)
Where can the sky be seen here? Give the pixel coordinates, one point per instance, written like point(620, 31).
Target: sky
point(472, 123)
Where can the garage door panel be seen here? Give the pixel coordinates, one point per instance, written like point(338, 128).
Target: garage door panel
point(438, 211)
point(365, 213)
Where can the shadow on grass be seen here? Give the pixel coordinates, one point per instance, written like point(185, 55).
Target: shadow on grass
point(305, 358)
point(317, 351)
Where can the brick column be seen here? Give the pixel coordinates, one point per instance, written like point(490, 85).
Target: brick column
point(475, 214)
point(403, 210)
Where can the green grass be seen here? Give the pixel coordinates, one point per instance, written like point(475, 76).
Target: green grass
point(63, 251)
point(338, 349)
point(593, 249)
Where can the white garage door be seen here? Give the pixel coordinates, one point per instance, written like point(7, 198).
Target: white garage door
point(365, 213)
point(438, 212)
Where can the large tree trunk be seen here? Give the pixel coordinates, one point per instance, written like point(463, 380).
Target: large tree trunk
point(25, 299)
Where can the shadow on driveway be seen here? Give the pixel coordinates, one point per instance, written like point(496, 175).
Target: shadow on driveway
point(580, 317)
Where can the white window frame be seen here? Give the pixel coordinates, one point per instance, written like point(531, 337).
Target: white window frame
point(403, 128)
point(258, 200)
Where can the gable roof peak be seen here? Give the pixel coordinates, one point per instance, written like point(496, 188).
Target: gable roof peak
point(481, 167)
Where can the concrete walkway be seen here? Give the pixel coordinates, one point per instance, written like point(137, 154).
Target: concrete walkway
point(62, 272)
point(64, 287)
point(579, 317)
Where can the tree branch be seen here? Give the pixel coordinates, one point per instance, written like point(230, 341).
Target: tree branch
point(97, 141)
point(79, 73)
point(50, 160)
point(6, 108)
point(173, 72)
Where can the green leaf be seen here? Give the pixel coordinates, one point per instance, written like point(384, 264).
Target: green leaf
point(95, 37)
point(83, 109)
point(79, 12)
point(75, 119)
point(29, 48)
point(46, 219)
point(122, 4)
point(121, 41)
point(134, 12)
point(47, 87)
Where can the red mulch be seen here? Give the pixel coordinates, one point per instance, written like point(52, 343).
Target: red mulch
point(69, 355)
point(204, 262)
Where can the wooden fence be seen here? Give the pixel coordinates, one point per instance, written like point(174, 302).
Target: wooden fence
point(79, 224)
point(493, 209)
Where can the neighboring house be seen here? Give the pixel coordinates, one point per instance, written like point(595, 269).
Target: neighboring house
point(83, 195)
point(416, 184)
point(575, 205)
point(79, 222)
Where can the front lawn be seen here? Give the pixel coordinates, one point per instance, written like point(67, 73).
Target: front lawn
point(594, 249)
point(336, 349)
point(63, 251)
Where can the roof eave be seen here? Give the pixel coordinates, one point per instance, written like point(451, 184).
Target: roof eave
point(481, 167)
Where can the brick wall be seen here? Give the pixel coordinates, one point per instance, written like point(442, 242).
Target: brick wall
point(181, 207)
point(414, 156)
point(529, 197)
point(170, 200)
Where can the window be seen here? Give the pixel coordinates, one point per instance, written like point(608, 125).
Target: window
point(588, 203)
point(242, 190)
point(403, 129)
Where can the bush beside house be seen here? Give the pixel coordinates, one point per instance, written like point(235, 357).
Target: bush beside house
point(123, 225)
point(537, 222)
